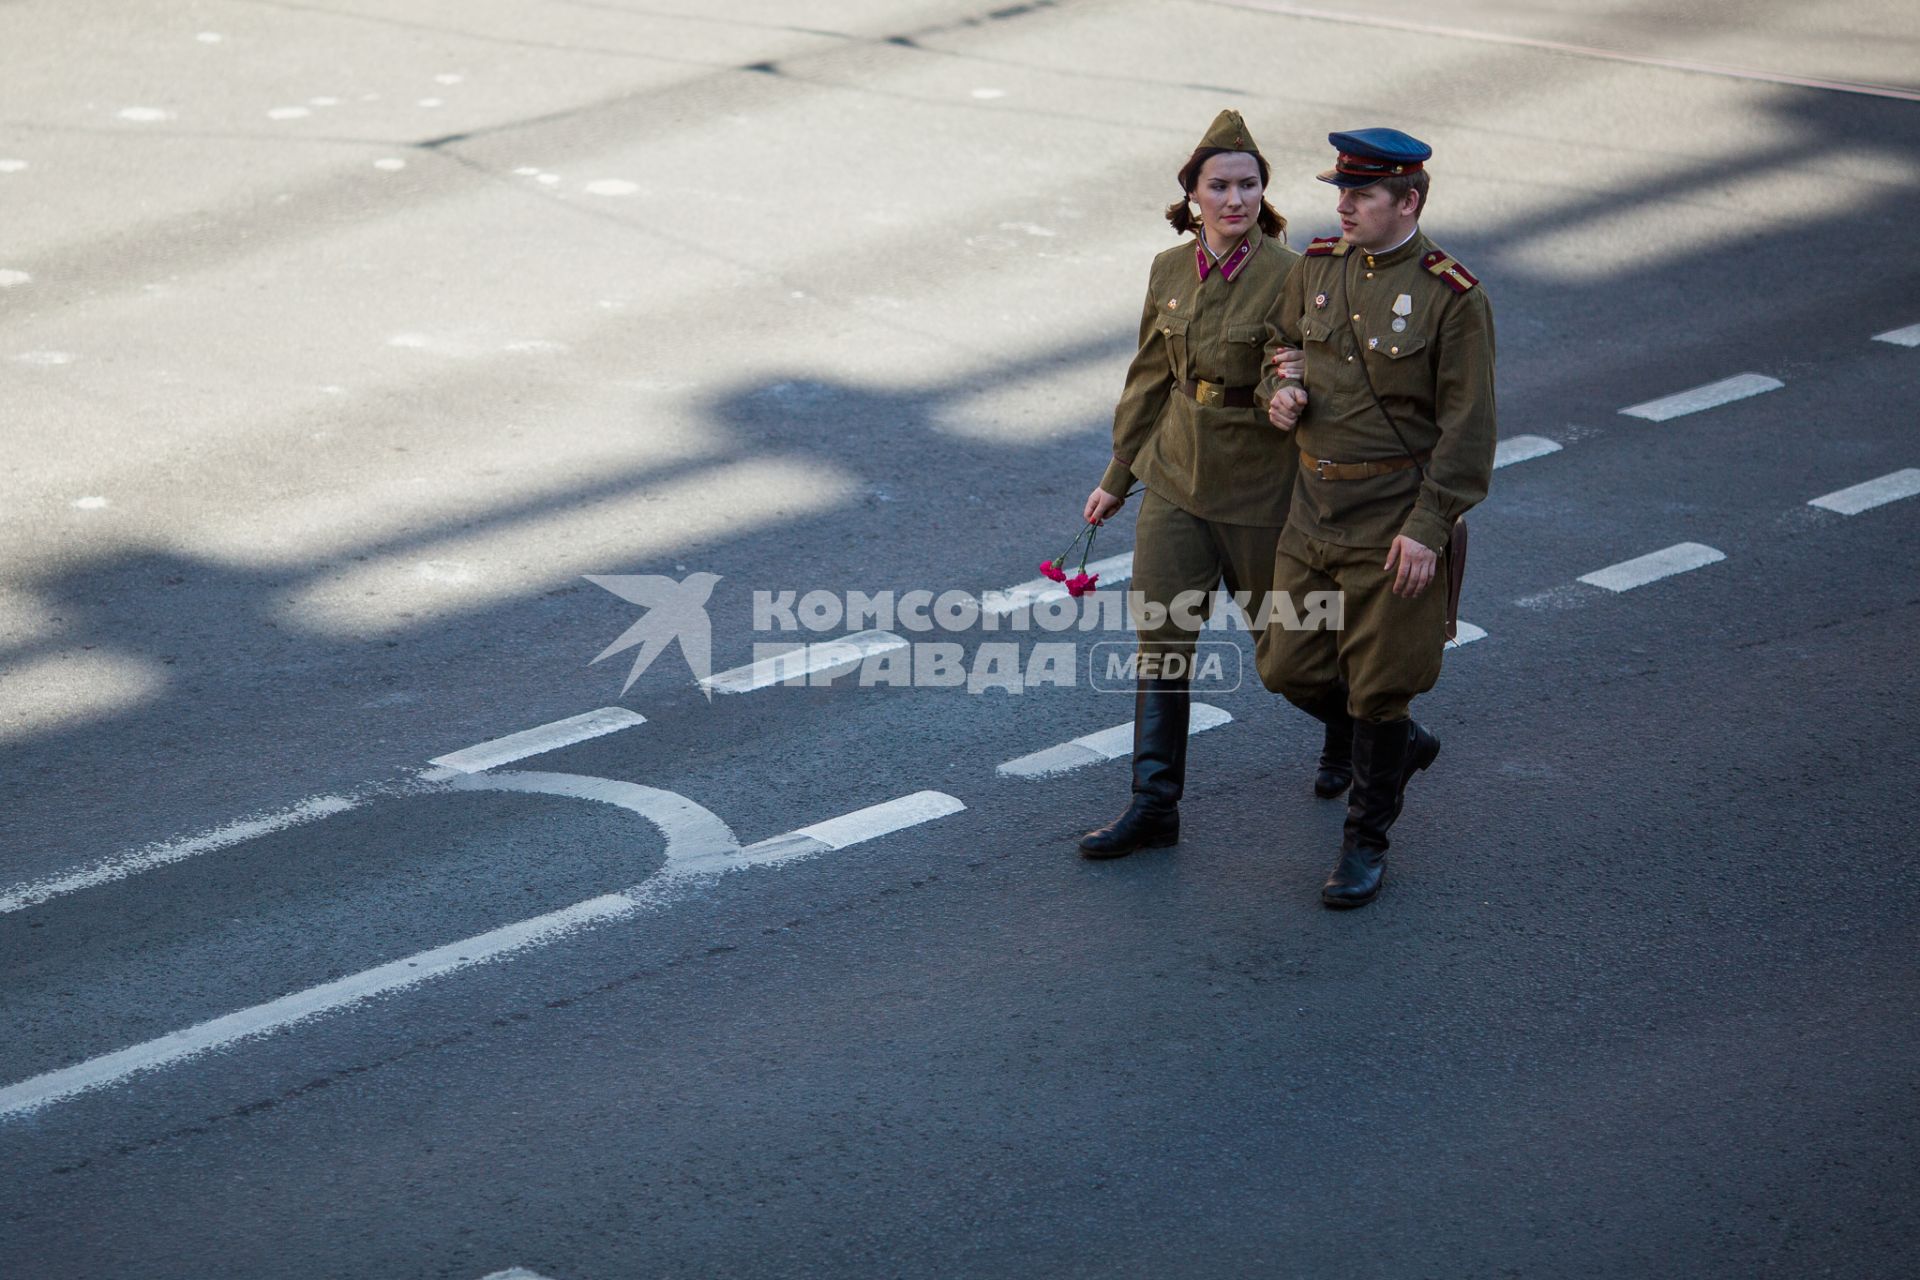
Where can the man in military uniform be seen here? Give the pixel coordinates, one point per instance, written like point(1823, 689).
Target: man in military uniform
point(1394, 420)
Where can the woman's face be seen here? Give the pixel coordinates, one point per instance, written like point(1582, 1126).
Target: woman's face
point(1228, 192)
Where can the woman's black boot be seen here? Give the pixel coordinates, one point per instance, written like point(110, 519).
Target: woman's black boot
point(1152, 821)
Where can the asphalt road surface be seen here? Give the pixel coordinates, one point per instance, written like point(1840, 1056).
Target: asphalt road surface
point(342, 340)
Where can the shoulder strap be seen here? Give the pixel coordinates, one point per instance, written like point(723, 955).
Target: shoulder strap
point(1366, 377)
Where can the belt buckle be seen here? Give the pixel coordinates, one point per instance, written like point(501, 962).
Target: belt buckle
point(1211, 394)
point(1320, 467)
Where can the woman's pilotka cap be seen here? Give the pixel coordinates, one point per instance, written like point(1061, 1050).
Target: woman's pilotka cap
point(1228, 132)
point(1368, 155)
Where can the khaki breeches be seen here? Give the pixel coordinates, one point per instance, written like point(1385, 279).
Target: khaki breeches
point(1175, 552)
point(1388, 651)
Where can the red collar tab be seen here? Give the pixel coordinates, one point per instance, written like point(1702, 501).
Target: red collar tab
point(1229, 266)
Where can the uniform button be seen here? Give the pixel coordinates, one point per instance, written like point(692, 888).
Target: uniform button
point(1394, 350)
point(1356, 317)
point(1349, 359)
point(1369, 275)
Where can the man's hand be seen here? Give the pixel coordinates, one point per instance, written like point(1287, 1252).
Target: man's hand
point(1284, 410)
point(1290, 362)
point(1416, 566)
point(1101, 505)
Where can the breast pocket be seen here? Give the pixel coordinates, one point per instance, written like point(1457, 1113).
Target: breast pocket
point(1240, 363)
point(1397, 363)
point(1321, 344)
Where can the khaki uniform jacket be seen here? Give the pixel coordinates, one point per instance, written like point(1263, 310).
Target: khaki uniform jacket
point(1435, 375)
point(1222, 464)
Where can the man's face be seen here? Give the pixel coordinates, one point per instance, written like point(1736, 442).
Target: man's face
point(1372, 219)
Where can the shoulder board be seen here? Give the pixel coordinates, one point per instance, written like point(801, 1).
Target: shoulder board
point(1458, 278)
point(1326, 246)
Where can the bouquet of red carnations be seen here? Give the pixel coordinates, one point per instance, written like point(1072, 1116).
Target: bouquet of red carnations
point(1082, 581)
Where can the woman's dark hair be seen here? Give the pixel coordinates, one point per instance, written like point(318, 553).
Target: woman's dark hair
point(1182, 217)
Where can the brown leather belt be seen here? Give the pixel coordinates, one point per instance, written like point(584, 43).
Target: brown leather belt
point(1329, 470)
point(1215, 396)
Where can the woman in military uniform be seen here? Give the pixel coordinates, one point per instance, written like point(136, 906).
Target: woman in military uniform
point(1217, 475)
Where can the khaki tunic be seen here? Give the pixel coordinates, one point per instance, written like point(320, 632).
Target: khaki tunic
point(1435, 376)
point(1218, 480)
point(1216, 463)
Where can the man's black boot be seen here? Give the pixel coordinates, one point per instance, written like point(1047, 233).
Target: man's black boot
point(1336, 750)
point(1385, 756)
point(1152, 821)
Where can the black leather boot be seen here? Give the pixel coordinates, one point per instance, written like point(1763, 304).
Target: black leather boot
point(1385, 757)
point(1152, 821)
point(1336, 750)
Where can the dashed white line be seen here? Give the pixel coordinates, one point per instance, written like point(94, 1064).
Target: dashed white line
point(1467, 633)
point(1869, 494)
point(543, 738)
point(835, 656)
point(698, 844)
point(1725, 391)
point(1042, 590)
point(1096, 748)
point(1907, 337)
point(1522, 449)
point(1638, 572)
point(514, 1273)
point(33, 893)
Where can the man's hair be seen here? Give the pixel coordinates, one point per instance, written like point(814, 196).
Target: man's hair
point(1399, 184)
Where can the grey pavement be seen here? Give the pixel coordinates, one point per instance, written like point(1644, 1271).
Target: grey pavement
point(340, 340)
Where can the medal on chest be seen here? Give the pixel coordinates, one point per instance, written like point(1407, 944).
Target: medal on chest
point(1402, 308)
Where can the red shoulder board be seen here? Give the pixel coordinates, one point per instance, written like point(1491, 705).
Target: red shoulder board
point(1325, 247)
point(1458, 278)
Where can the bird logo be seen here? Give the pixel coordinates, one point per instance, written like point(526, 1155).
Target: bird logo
point(674, 611)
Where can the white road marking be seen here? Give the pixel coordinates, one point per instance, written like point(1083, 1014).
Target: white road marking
point(838, 655)
point(390, 164)
point(33, 893)
point(45, 357)
point(1871, 493)
point(1725, 391)
point(288, 113)
point(209, 37)
point(1638, 572)
point(1095, 748)
point(92, 502)
point(515, 1273)
point(1467, 633)
point(9, 278)
point(145, 115)
point(13, 166)
point(1522, 449)
point(96, 1073)
point(542, 738)
point(988, 95)
point(698, 843)
point(1041, 590)
point(1907, 337)
point(432, 102)
point(611, 187)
